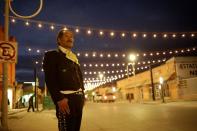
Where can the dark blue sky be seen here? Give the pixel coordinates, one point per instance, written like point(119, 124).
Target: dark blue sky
point(126, 15)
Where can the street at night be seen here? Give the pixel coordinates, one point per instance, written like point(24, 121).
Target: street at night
point(134, 62)
point(120, 116)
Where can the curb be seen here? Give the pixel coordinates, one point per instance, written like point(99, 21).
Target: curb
point(15, 112)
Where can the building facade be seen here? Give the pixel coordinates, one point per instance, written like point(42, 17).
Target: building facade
point(11, 75)
point(179, 80)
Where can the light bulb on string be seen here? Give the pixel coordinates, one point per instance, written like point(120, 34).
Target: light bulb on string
point(134, 35)
point(123, 34)
point(183, 35)
point(52, 27)
point(89, 32)
point(78, 54)
point(94, 55)
point(111, 34)
point(77, 30)
point(65, 28)
point(192, 35)
point(29, 49)
point(13, 20)
point(27, 23)
point(154, 35)
point(86, 54)
point(39, 25)
point(144, 35)
point(101, 33)
point(165, 35)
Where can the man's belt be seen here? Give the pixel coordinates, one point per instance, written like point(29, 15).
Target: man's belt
point(71, 92)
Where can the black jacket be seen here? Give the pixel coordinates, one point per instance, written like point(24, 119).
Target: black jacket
point(61, 74)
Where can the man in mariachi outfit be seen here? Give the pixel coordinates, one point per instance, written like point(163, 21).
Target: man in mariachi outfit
point(64, 81)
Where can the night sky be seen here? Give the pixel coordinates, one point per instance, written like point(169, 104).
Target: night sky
point(112, 15)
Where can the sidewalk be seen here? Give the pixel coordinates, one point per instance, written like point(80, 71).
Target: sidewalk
point(14, 111)
point(159, 102)
point(170, 102)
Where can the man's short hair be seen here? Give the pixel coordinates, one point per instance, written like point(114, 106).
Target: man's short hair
point(61, 33)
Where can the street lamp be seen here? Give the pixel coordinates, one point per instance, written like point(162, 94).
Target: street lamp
point(101, 76)
point(114, 89)
point(162, 88)
point(132, 59)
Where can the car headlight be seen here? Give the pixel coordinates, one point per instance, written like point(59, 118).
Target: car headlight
point(105, 97)
point(114, 97)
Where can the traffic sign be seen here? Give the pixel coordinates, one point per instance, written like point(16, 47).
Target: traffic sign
point(8, 52)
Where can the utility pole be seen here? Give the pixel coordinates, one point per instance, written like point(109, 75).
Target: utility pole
point(35, 88)
point(152, 84)
point(4, 116)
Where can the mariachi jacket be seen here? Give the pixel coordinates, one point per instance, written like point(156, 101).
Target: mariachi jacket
point(61, 74)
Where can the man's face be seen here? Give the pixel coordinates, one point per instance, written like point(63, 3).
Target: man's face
point(66, 40)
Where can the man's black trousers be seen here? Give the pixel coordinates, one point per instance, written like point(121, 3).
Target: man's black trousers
point(72, 121)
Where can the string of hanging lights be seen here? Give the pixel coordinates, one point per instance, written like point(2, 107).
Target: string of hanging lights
point(121, 55)
point(104, 32)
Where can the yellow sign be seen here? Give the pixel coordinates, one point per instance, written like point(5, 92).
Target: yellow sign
point(8, 52)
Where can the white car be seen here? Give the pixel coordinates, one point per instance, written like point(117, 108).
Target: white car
point(98, 98)
point(109, 97)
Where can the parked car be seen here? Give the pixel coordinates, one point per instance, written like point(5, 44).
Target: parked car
point(98, 98)
point(109, 97)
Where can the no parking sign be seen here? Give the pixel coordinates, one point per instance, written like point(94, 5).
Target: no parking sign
point(8, 52)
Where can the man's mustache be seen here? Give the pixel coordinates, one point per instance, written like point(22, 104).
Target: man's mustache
point(69, 41)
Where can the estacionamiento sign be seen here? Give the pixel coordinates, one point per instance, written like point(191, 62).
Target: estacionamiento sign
point(187, 69)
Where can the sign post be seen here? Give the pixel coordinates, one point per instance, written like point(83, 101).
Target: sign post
point(8, 54)
point(4, 116)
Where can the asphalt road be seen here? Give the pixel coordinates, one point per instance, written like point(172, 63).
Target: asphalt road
point(176, 116)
